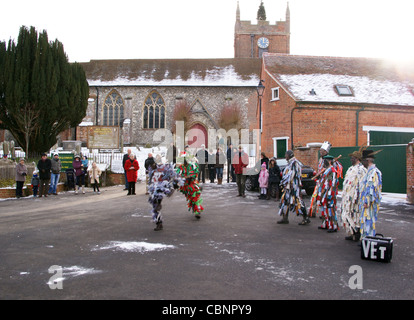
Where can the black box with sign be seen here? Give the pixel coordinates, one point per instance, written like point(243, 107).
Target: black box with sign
point(378, 248)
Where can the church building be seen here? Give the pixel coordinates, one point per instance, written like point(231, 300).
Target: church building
point(140, 96)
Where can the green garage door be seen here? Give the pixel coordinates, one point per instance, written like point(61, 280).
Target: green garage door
point(391, 161)
point(384, 137)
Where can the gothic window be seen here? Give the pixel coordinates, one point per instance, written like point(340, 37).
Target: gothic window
point(113, 110)
point(153, 112)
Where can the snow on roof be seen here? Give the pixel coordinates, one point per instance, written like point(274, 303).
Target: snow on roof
point(364, 90)
point(173, 72)
point(372, 81)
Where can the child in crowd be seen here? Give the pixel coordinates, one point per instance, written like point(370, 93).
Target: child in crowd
point(263, 181)
point(35, 183)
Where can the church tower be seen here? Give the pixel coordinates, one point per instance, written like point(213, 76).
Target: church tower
point(251, 40)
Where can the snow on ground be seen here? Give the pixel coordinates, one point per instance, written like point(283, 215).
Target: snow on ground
point(135, 246)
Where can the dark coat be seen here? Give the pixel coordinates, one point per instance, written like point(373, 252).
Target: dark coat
point(44, 169)
point(220, 160)
point(148, 162)
point(274, 174)
point(202, 156)
point(77, 165)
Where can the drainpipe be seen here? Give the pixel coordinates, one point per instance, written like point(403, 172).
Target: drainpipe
point(357, 125)
point(96, 106)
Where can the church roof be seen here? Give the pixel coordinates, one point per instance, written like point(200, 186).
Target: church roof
point(315, 79)
point(173, 72)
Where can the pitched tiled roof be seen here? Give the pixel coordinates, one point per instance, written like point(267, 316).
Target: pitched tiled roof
point(173, 72)
point(372, 81)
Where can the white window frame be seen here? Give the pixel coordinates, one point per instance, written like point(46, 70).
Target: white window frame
point(275, 144)
point(344, 90)
point(275, 94)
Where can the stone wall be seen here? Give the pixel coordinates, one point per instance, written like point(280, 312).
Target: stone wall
point(209, 100)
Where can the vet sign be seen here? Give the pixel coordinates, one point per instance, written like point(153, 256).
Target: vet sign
point(377, 249)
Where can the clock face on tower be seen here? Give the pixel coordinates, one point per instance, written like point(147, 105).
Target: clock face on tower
point(263, 42)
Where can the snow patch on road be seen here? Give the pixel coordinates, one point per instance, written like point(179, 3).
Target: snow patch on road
point(135, 246)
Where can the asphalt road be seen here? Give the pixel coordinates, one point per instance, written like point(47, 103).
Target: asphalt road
point(104, 247)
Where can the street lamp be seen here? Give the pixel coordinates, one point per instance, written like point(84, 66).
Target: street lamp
point(260, 89)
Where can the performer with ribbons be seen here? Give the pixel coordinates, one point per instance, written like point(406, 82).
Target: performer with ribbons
point(370, 196)
point(187, 168)
point(163, 180)
point(327, 193)
point(291, 199)
point(323, 151)
point(350, 196)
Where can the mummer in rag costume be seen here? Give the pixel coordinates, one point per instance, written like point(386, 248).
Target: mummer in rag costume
point(323, 151)
point(291, 199)
point(327, 193)
point(188, 169)
point(350, 196)
point(163, 180)
point(370, 196)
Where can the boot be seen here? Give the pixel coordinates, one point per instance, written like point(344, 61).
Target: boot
point(76, 190)
point(284, 220)
point(305, 220)
point(158, 227)
point(219, 180)
point(357, 235)
point(83, 189)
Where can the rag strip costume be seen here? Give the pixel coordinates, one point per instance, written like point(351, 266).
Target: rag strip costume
point(313, 210)
point(350, 196)
point(371, 187)
point(327, 193)
point(162, 182)
point(291, 199)
point(188, 169)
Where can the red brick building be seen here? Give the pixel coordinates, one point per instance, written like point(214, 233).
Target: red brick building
point(311, 99)
point(252, 40)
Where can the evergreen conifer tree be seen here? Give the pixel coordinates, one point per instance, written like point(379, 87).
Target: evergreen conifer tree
point(261, 13)
point(41, 93)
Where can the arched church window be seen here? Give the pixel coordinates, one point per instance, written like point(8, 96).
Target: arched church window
point(153, 112)
point(113, 109)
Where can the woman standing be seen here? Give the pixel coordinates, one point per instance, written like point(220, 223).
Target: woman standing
point(274, 179)
point(131, 168)
point(79, 173)
point(21, 173)
point(94, 174)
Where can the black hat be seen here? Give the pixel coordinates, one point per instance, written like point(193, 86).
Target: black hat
point(369, 154)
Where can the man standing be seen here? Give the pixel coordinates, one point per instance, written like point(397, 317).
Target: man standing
point(350, 196)
point(44, 165)
point(148, 163)
point(370, 196)
point(327, 192)
point(56, 167)
point(202, 157)
point(240, 161)
point(291, 183)
point(230, 169)
point(124, 159)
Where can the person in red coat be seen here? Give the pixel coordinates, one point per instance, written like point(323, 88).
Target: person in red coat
point(131, 168)
point(240, 161)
